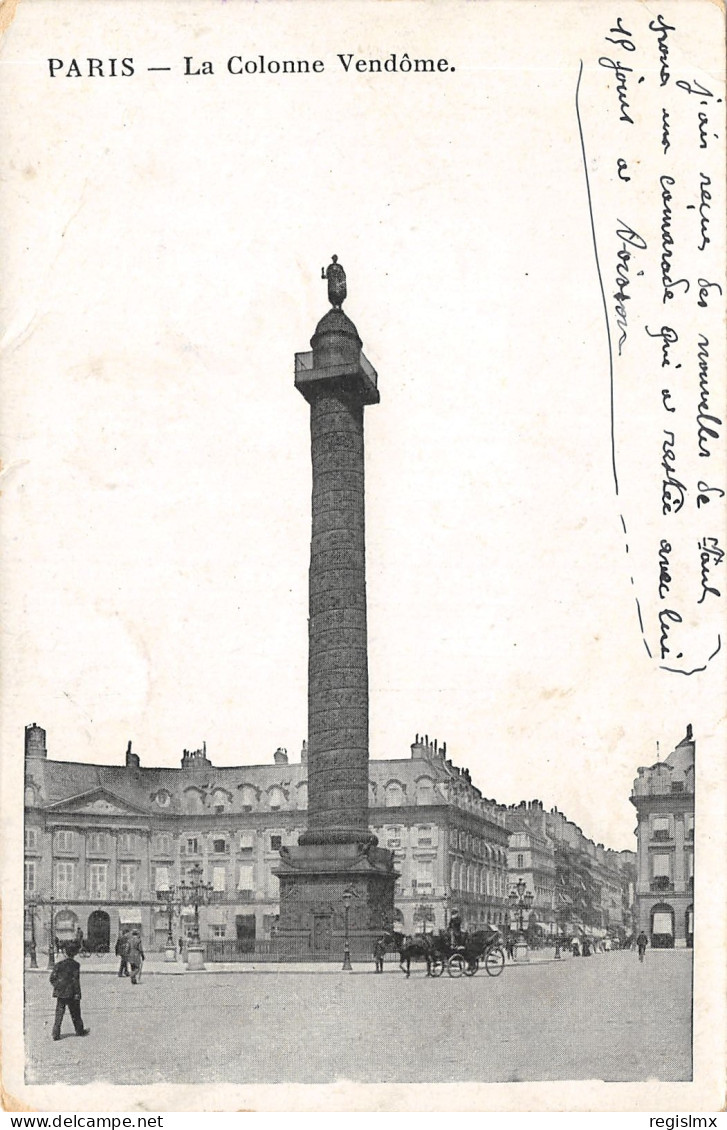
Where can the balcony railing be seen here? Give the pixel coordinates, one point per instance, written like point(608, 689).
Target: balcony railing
point(661, 834)
point(661, 883)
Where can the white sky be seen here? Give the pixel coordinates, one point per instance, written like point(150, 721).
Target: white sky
point(163, 267)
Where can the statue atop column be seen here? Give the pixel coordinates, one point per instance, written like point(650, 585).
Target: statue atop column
point(336, 276)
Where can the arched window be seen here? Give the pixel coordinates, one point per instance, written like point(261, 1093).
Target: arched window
point(425, 791)
point(30, 794)
point(193, 801)
point(394, 795)
point(276, 798)
point(220, 800)
point(248, 798)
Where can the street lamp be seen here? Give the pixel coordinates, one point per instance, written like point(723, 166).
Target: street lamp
point(195, 893)
point(170, 899)
point(30, 910)
point(347, 896)
point(51, 936)
point(521, 901)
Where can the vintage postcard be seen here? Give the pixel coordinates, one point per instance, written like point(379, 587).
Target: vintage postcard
point(363, 555)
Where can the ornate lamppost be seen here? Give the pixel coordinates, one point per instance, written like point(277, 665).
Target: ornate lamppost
point(347, 896)
point(30, 906)
point(51, 935)
point(170, 900)
point(195, 893)
point(521, 901)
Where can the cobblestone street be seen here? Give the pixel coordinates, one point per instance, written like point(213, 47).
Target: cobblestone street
point(603, 1017)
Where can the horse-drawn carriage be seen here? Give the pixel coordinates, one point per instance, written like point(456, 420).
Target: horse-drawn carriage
point(480, 949)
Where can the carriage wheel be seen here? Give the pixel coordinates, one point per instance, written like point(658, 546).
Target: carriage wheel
point(495, 961)
point(456, 965)
point(436, 967)
point(471, 967)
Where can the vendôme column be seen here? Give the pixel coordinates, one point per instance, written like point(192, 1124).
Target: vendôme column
point(337, 854)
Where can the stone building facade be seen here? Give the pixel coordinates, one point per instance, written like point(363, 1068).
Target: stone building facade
point(663, 795)
point(578, 885)
point(103, 842)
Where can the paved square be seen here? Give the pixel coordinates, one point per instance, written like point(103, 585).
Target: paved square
point(605, 1017)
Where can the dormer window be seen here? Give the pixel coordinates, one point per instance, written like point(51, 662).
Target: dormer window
point(276, 798)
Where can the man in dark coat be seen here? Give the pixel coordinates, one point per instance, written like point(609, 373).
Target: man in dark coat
point(66, 981)
point(135, 957)
point(641, 943)
point(122, 947)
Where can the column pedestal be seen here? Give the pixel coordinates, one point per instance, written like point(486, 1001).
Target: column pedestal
point(195, 958)
point(313, 879)
point(520, 952)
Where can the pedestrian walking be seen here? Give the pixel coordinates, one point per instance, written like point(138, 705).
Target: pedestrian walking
point(122, 948)
point(66, 981)
point(135, 957)
point(641, 943)
point(575, 947)
point(379, 951)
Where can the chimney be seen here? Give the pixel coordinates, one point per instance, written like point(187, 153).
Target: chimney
point(132, 759)
point(35, 741)
point(417, 747)
point(280, 757)
point(196, 758)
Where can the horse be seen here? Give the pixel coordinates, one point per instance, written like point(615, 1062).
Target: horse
point(417, 947)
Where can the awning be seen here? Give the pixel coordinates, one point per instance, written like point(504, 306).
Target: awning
point(130, 914)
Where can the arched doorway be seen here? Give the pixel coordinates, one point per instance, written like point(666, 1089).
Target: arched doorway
point(662, 926)
point(98, 932)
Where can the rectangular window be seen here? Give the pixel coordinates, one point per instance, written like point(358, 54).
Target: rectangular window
point(164, 845)
point(660, 868)
point(126, 842)
point(64, 841)
point(161, 878)
point(31, 838)
point(217, 930)
point(393, 837)
point(276, 842)
point(65, 879)
point(424, 875)
point(192, 846)
point(520, 861)
point(424, 835)
point(97, 841)
point(247, 841)
point(219, 846)
point(246, 884)
point(97, 876)
point(219, 878)
point(689, 826)
point(127, 879)
point(30, 877)
point(689, 856)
